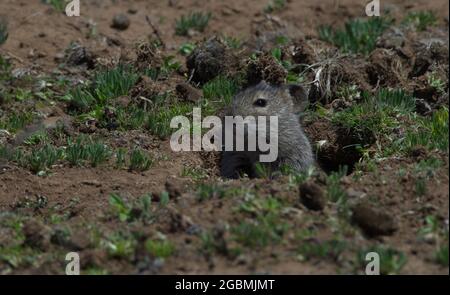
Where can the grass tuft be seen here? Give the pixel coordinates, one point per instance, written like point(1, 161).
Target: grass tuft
point(275, 5)
point(3, 31)
point(140, 160)
point(160, 248)
point(194, 21)
point(431, 132)
point(358, 36)
point(421, 20)
point(391, 260)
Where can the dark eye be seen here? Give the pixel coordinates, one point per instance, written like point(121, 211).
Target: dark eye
point(260, 102)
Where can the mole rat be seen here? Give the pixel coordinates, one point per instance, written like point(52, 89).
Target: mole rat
point(285, 102)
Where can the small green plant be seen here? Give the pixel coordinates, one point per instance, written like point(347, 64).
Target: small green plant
point(81, 99)
point(295, 178)
point(435, 82)
point(263, 170)
point(160, 248)
point(159, 121)
point(107, 84)
point(375, 116)
point(120, 246)
point(98, 153)
point(275, 5)
point(312, 248)
point(232, 42)
point(16, 121)
point(120, 207)
point(121, 154)
point(421, 20)
point(76, 153)
point(358, 36)
point(334, 190)
point(441, 255)
point(431, 226)
point(426, 168)
point(391, 260)
point(5, 71)
point(348, 92)
point(266, 226)
point(194, 21)
point(209, 191)
point(396, 100)
point(193, 172)
point(84, 149)
point(3, 31)
point(43, 158)
point(58, 5)
point(420, 187)
point(130, 118)
point(220, 90)
point(114, 82)
point(260, 233)
point(126, 212)
point(170, 64)
point(140, 160)
point(439, 233)
point(186, 48)
point(23, 94)
point(431, 132)
point(37, 138)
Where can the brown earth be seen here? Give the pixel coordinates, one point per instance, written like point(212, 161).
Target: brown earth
point(38, 38)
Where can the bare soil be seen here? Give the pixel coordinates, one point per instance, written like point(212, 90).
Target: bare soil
point(79, 197)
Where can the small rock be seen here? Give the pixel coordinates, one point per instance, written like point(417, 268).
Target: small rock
point(132, 10)
point(391, 39)
point(59, 57)
point(188, 93)
point(120, 22)
point(80, 240)
point(373, 221)
point(353, 194)
point(36, 234)
point(423, 107)
point(340, 104)
point(77, 55)
point(227, 11)
point(179, 222)
point(266, 68)
point(209, 60)
point(419, 152)
point(427, 93)
point(92, 182)
point(312, 196)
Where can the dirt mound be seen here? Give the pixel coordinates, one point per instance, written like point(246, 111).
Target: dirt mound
point(210, 59)
point(335, 146)
point(267, 68)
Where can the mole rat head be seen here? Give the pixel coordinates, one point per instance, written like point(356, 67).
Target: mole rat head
point(267, 100)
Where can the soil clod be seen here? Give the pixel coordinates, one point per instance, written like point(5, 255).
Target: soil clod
point(373, 221)
point(312, 196)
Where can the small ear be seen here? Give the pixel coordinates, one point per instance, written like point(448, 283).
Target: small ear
point(299, 97)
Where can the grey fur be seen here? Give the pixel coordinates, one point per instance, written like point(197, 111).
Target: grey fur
point(294, 148)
